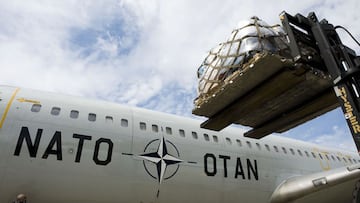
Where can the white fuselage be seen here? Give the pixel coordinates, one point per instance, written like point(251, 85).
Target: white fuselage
point(66, 149)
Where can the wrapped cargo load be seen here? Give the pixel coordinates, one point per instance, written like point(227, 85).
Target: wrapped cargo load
point(250, 79)
point(253, 36)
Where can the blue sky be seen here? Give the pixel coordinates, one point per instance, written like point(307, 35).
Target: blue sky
point(144, 53)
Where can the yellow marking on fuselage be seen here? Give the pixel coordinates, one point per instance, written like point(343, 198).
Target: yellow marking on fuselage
point(8, 107)
point(325, 166)
point(22, 99)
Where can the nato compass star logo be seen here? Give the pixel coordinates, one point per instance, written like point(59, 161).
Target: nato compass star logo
point(164, 156)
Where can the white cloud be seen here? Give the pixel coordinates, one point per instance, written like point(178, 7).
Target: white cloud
point(328, 130)
point(142, 52)
point(337, 138)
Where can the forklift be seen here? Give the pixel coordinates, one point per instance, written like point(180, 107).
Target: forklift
point(297, 88)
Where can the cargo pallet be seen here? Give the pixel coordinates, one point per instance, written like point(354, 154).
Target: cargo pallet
point(274, 94)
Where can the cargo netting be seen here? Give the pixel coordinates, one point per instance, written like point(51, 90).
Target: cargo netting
point(251, 37)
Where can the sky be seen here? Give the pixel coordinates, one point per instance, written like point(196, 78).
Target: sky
point(145, 53)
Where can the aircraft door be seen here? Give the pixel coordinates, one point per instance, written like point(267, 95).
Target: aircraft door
point(7, 96)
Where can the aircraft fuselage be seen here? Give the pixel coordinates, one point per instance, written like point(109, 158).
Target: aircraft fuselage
point(67, 149)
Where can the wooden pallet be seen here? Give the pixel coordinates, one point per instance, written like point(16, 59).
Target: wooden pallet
point(270, 94)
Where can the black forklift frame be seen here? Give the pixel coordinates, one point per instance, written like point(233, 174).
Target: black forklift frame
point(338, 60)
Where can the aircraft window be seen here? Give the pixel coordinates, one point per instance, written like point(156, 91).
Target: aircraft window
point(109, 119)
point(267, 147)
point(206, 137)
point(35, 107)
point(320, 156)
point(258, 146)
point(228, 141)
point(155, 128)
point(327, 157)
point(338, 158)
point(74, 114)
point(142, 126)
point(284, 150)
point(276, 149)
point(168, 130)
point(292, 151)
point(124, 123)
point(55, 111)
point(313, 154)
point(194, 135)
point(300, 153)
point(248, 144)
point(350, 160)
point(92, 117)
point(345, 160)
point(215, 138)
point(238, 142)
point(333, 158)
point(354, 160)
point(182, 133)
point(307, 153)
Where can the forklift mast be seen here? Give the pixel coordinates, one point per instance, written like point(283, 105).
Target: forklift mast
point(341, 62)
